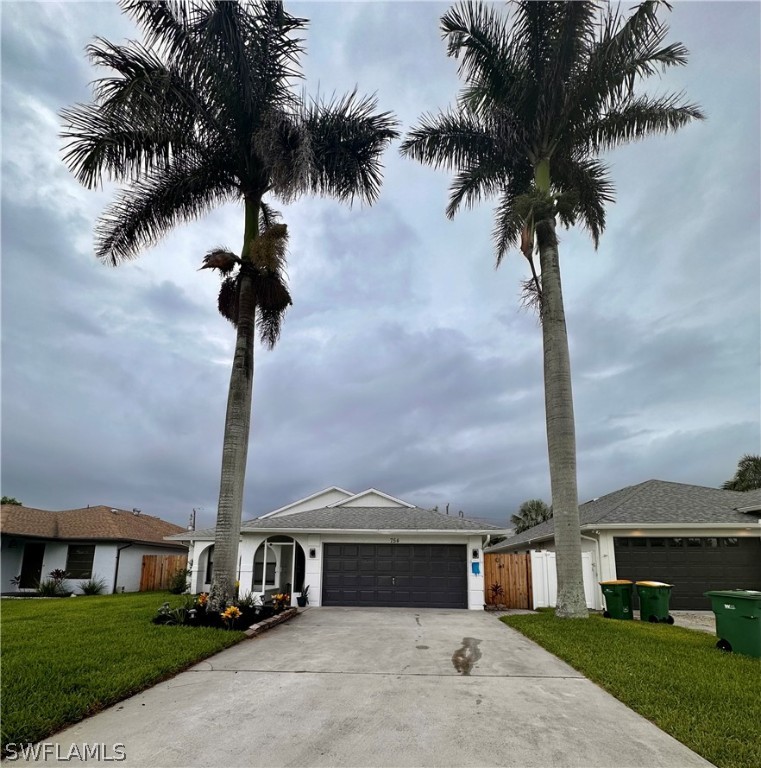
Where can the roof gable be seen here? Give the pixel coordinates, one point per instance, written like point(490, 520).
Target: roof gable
point(363, 518)
point(372, 498)
point(319, 500)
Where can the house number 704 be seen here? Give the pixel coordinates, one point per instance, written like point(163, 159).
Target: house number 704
point(394, 540)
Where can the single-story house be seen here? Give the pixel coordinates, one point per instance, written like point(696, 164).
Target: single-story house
point(91, 543)
point(693, 537)
point(367, 549)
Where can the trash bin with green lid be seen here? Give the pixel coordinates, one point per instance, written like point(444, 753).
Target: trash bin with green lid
point(654, 599)
point(618, 599)
point(738, 620)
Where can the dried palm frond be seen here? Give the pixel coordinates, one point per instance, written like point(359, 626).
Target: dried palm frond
point(227, 302)
point(531, 295)
point(221, 259)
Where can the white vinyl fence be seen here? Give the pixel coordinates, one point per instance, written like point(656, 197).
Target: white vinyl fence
point(545, 580)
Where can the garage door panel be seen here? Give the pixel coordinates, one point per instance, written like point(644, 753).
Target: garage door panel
point(693, 565)
point(410, 575)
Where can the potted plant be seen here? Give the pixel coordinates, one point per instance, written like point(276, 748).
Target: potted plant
point(303, 598)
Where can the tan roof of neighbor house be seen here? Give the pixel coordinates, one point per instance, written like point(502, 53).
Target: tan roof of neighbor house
point(89, 523)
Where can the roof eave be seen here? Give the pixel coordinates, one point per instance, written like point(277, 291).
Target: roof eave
point(676, 524)
point(359, 531)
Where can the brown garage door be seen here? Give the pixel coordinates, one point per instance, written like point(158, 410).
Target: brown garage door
point(395, 575)
point(692, 564)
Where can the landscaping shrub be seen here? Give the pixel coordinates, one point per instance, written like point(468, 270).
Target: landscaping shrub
point(55, 585)
point(179, 581)
point(93, 586)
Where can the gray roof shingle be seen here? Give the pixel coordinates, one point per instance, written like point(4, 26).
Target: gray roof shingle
point(654, 502)
point(363, 519)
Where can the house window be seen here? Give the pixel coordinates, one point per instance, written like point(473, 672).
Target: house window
point(618, 542)
point(258, 571)
point(694, 541)
point(657, 542)
point(676, 542)
point(731, 541)
point(638, 542)
point(79, 560)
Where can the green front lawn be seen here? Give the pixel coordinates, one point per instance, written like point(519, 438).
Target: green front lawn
point(64, 659)
point(675, 677)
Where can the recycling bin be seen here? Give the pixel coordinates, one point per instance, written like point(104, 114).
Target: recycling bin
point(738, 620)
point(654, 599)
point(618, 599)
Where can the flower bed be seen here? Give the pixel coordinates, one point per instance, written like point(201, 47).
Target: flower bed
point(239, 614)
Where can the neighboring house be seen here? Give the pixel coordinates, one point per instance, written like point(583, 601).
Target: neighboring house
point(367, 549)
point(693, 537)
point(90, 543)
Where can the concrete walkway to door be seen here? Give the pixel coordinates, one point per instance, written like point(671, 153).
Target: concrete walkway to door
point(382, 687)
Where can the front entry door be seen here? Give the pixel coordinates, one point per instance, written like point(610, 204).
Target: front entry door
point(31, 565)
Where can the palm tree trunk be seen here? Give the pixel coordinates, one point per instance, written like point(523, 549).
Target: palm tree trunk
point(237, 427)
point(561, 431)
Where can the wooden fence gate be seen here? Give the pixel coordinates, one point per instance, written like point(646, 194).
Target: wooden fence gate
point(511, 572)
point(157, 570)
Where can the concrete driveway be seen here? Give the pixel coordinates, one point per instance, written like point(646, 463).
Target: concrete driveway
point(381, 687)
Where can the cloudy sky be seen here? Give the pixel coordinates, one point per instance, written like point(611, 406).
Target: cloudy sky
point(406, 362)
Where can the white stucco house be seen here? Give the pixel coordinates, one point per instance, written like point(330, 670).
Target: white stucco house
point(365, 549)
point(693, 537)
point(90, 543)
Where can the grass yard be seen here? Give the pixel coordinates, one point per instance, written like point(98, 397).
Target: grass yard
point(675, 677)
point(64, 659)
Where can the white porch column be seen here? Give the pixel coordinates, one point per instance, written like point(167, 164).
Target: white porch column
point(475, 581)
point(246, 551)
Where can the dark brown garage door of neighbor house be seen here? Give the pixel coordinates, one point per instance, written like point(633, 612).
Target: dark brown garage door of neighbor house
point(395, 575)
point(692, 564)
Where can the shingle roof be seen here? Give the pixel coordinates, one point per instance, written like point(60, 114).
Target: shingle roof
point(363, 519)
point(88, 523)
point(653, 502)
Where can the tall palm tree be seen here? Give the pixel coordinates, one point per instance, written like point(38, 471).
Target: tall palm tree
point(201, 113)
point(546, 90)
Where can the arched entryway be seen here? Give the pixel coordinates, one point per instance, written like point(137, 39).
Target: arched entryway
point(278, 566)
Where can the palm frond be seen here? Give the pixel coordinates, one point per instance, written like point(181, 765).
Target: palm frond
point(474, 183)
point(639, 118)
point(146, 211)
point(267, 216)
point(227, 301)
point(253, 45)
point(627, 49)
point(480, 38)
point(508, 225)
point(148, 90)
point(119, 146)
point(450, 140)
point(347, 137)
point(220, 259)
point(283, 143)
point(588, 182)
point(165, 25)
